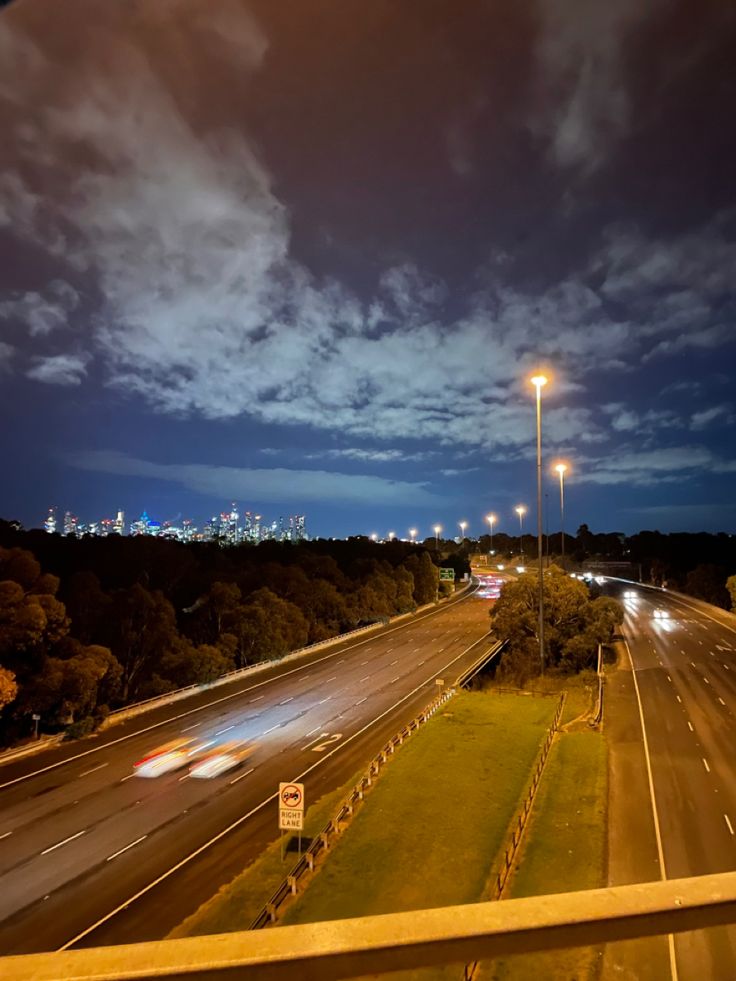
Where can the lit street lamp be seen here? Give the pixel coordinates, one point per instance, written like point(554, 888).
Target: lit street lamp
point(491, 519)
point(521, 511)
point(437, 529)
point(374, 537)
point(391, 536)
point(462, 525)
point(561, 469)
point(539, 381)
point(412, 534)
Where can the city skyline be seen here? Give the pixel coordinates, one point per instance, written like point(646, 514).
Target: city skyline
point(310, 307)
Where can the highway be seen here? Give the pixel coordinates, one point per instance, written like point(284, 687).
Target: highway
point(684, 658)
point(91, 854)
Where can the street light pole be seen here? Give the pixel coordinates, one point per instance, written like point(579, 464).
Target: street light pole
point(491, 518)
point(437, 529)
point(539, 381)
point(561, 468)
point(412, 534)
point(521, 511)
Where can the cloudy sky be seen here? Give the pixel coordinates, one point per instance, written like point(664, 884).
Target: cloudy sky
point(305, 256)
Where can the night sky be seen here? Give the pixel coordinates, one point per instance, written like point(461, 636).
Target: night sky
point(305, 254)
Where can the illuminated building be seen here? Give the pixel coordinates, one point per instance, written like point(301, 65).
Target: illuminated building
point(50, 522)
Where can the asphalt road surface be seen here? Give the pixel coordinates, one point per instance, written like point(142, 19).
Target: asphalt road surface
point(684, 657)
point(91, 854)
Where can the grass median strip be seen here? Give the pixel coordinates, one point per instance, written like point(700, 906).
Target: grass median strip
point(564, 849)
point(430, 831)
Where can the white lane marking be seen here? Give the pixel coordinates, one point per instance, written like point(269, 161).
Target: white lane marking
point(362, 700)
point(325, 700)
point(226, 729)
point(311, 731)
point(131, 845)
point(728, 822)
point(330, 679)
point(6, 835)
point(256, 699)
point(339, 662)
point(244, 817)
point(397, 678)
point(706, 680)
point(60, 843)
point(270, 730)
point(364, 679)
point(705, 764)
point(726, 667)
point(307, 676)
point(241, 775)
point(392, 663)
point(721, 700)
point(128, 777)
point(421, 663)
point(668, 678)
point(363, 663)
point(93, 769)
point(655, 814)
point(678, 699)
point(287, 700)
point(693, 663)
point(690, 726)
point(188, 728)
point(700, 642)
point(185, 777)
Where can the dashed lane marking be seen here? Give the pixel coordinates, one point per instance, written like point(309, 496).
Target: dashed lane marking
point(690, 726)
point(705, 764)
point(241, 775)
point(728, 823)
point(64, 842)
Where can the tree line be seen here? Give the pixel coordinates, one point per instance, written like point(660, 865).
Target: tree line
point(87, 625)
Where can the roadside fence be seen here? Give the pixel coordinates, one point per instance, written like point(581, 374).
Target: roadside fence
point(514, 841)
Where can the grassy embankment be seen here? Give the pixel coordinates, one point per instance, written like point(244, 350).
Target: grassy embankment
point(432, 830)
point(564, 845)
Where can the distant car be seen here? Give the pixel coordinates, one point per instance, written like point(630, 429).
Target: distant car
point(630, 594)
point(660, 614)
point(221, 759)
point(171, 756)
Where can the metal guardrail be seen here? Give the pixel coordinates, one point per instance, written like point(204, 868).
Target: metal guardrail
point(322, 841)
point(596, 720)
point(467, 676)
point(402, 941)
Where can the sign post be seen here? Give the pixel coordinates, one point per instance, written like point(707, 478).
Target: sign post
point(447, 575)
point(291, 811)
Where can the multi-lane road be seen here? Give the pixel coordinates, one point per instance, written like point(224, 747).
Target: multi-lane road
point(683, 654)
point(91, 854)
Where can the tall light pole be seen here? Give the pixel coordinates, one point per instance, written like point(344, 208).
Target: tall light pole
point(521, 511)
point(561, 469)
point(412, 534)
point(462, 525)
point(539, 381)
point(391, 536)
point(437, 529)
point(491, 519)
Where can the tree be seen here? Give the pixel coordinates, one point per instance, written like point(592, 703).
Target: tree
point(270, 627)
point(8, 687)
point(705, 582)
point(731, 587)
point(573, 623)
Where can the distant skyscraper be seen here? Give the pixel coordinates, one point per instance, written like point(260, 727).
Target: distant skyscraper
point(119, 523)
point(50, 522)
point(71, 523)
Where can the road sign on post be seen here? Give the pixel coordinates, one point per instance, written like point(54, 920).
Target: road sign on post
point(291, 806)
point(447, 575)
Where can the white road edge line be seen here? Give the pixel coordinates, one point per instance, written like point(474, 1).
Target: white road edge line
point(64, 842)
point(120, 851)
point(221, 834)
point(652, 796)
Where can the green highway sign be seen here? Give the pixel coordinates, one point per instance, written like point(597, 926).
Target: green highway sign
point(448, 574)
